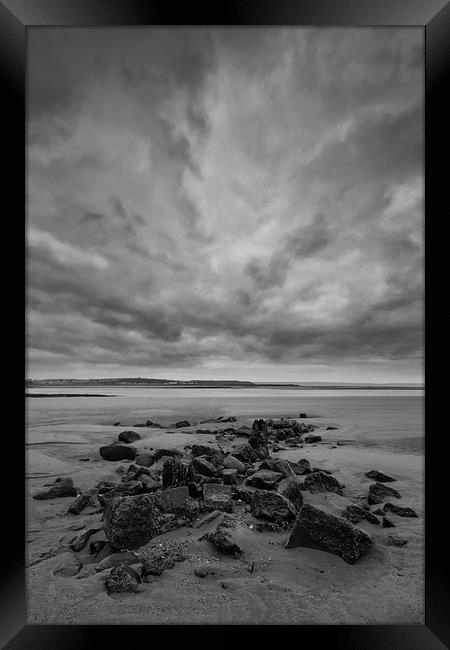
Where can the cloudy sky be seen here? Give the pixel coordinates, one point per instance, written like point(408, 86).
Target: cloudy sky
point(226, 203)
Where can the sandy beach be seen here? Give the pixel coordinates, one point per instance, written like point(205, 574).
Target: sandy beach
point(297, 585)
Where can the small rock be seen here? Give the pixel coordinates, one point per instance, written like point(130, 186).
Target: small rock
point(272, 506)
point(387, 523)
point(228, 536)
point(117, 452)
point(264, 479)
point(355, 514)
point(60, 488)
point(303, 415)
point(79, 542)
point(181, 423)
point(129, 436)
point(396, 541)
point(122, 579)
point(290, 489)
point(302, 467)
point(379, 493)
point(398, 510)
point(332, 428)
point(159, 453)
point(66, 565)
point(144, 459)
point(116, 559)
point(277, 465)
point(321, 482)
point(204, 467)
point(379, 476)
point(231, 462)
point(313, 438)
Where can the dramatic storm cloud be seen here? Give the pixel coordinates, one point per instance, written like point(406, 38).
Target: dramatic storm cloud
point(227, 203)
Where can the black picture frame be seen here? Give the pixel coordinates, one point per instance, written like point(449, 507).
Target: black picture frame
point(16, 17)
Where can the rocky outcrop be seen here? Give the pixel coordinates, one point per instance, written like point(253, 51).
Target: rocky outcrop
point(118, 452)
point(315, 528)
point(379, 493)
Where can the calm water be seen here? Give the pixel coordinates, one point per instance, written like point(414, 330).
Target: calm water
point(388, 418)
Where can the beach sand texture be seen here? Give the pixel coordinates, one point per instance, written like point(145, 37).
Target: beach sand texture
point(287, 586)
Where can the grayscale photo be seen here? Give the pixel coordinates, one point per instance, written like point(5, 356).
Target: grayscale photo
point(225, 326)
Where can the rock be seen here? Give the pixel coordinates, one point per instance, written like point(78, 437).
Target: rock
point(387, 523)
point(117, 424)
point(398, 510)
point(62, 487)
point(177, 471)
point(332, 428)
point(355, 514)
point(181, 423)
point(155, 425)
point(195, 490)
point(203, 450)
point(149, 484)
point(379, 493)
point(116, 559)
point(132, 521)
point(66, 565)
point(272, 506)
point(106, 486)
point(283, 424)
point(228, 536)
point(315, 528)
point(277, 465)
point(79, 542)
point(122, 579)
point(129, 488)
point(88, 498)
point(302, 415)
point(229, 476)
point(379, 476)
point(231, 462)
point(97, 542)
point(129, 436)
point(174, 497)
point(290, 489)
point(264, 479)
point(201, 572)
point(243, 453)
point(144, 459)
point(244, 494)
point(118, 452)
point(203, 467)
point(230, 418)
point(340, 443)
point(158, 560)
point(217, 497)
point(396, 541)
point(313, 438)
point(321, 482)
point(159, 453)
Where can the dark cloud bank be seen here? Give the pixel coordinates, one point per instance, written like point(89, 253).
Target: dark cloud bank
point(226, 203)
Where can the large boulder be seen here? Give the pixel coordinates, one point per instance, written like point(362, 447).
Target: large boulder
point(129, 436)
point(264, 479)
point(321, 482)
point(290, 489)
point(62, 487)
point(228, 536)
point(118, 452)
point(399, 510)
point(314, 528)
point(277, 465)
point(379, 476)
point(272, 507)
point(177, 471)
point(132, 521)
point(355, 514)
point(379, 493)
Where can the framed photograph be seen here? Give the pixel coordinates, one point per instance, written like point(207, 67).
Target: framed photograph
point(225, 219)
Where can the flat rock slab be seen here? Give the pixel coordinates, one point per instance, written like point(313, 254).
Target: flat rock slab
point(66, 565)
point(379, 493)
point(62, 487)
point(116, 559)
point(315, 528)
point(355, 514)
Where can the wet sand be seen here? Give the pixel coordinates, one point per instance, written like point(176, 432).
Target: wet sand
point(296, 586)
